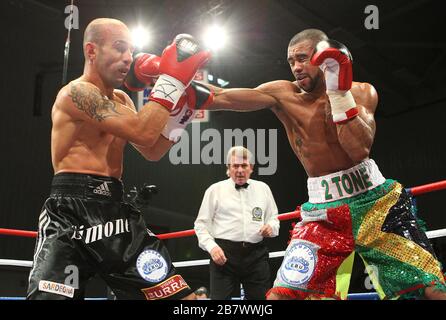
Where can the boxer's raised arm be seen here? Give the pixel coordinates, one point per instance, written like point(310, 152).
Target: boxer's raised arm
point(83, 101)
point(154, 152)
point(177, 66)
point(356, 135)
point(157, 151)
point(245, 99)
point(352, 108)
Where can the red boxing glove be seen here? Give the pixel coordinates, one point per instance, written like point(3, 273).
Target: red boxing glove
point(178, 65)
point(336, 61)
point(183, 58)
point(197, 96)
point(143, 71)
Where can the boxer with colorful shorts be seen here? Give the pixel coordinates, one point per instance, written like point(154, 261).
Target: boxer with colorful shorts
point(330, 125)
point(357, 210)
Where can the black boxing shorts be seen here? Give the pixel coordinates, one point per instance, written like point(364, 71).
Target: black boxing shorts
point(85, 228)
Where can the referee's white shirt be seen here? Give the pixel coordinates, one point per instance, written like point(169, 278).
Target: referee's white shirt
point(236, 215)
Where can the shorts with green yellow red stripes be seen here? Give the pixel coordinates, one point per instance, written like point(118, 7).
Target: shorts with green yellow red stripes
point(380, 226)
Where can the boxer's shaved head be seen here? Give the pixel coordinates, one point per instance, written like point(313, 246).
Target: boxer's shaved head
point(314, 35)
point(98, 29)
point(108, 50)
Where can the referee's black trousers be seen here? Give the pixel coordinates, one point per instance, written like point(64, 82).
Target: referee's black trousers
point(246, 264)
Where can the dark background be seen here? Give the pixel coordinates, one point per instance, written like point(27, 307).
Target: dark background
point(404, 59)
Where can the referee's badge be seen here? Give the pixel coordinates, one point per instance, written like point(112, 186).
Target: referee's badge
point(257, 214)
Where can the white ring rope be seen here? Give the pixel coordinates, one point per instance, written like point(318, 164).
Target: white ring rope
point(436, 233)
point(192, 263)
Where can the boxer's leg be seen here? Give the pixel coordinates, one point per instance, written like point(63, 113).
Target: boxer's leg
point(314, 256)
point(395, 249)
point(59, 271)
point(141, 267)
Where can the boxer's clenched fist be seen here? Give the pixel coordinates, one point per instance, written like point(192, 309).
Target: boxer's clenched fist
point(178, 65)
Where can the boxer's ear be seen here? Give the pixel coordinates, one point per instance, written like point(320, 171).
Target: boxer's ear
point(90, 50)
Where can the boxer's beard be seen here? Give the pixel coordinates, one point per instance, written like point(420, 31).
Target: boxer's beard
point(312, 83)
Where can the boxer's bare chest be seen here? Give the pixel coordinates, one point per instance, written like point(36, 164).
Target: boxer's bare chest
point(311, 132)
point(101, 142)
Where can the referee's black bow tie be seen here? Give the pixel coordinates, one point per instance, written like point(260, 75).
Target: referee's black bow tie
point(238, 186)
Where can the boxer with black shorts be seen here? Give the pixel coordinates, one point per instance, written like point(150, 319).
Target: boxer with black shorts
point(85, 227)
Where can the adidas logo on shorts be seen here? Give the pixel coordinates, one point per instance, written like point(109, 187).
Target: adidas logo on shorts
point(102, 190)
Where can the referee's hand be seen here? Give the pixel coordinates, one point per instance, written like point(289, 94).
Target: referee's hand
point(266, 231)
point(218, 256)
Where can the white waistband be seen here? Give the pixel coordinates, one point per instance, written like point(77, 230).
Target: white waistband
point(345, 184)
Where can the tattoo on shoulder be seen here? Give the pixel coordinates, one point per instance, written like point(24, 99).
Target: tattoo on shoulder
point(92, 102)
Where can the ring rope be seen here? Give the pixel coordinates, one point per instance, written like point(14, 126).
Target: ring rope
point(192, 263)
point(431, 187)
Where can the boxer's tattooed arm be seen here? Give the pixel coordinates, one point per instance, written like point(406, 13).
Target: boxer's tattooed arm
point(92, 102)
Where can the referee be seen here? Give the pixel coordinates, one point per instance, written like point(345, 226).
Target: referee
point(234, 217)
